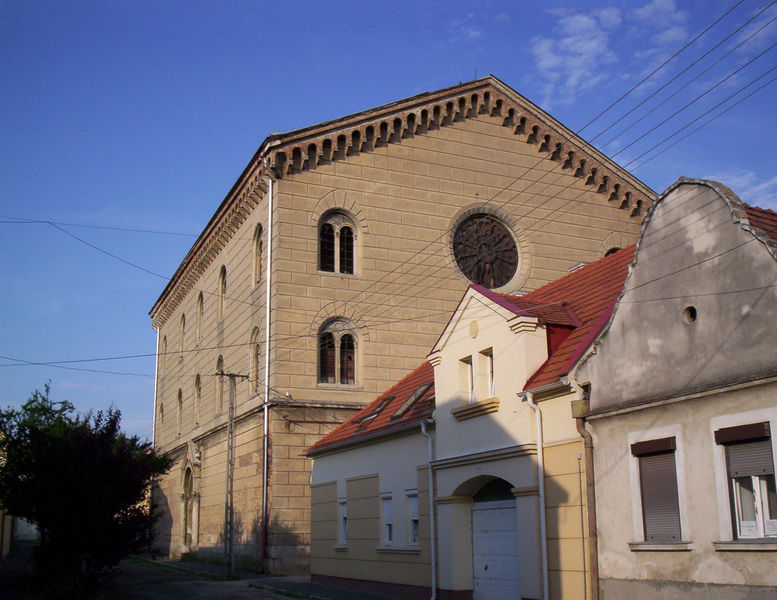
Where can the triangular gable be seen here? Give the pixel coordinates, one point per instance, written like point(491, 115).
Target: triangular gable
point(285, 154)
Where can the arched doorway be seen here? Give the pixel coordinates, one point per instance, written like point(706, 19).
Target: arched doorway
point(495, 542)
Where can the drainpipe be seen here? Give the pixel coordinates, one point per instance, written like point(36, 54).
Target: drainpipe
point(590, 490)
point(266, 403)
point(527, 396)
point(432, 529)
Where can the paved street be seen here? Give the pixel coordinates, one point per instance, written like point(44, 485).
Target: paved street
point(140, 579)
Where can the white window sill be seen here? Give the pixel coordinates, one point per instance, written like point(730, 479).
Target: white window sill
point(398, 549)
point(475, 409)
point(337, 274)
point(660, 547)
point(339, 386)
point(754, 545)
point(341, 548)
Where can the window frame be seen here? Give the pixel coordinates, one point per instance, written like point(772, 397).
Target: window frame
point(729, 528)
point(413, 519)
point(339, 221)
point(342, 521)
point(637, 513)
point(338, 329)
point(387, 519)
point(257, 251)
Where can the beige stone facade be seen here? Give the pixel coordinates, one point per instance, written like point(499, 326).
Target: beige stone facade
point(402, 177)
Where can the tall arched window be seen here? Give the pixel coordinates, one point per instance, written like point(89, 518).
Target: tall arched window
point(163, 357)
point(222, 292)
point(337, 343)
point(197, 398)
point(200, 301)
point(182, 332)
point(258, 248)
point(336, 244)
point(255, 359)
point(179, 421)
point(220, 384)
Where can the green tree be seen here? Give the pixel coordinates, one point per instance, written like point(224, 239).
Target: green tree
point(82, 482)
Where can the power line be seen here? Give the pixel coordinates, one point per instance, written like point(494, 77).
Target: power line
point(661, 66)
point(23, 221)
point(685, 70)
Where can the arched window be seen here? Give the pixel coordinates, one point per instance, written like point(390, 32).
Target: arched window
point(258, 243)
point(222, 292)
point(220, 384)
point(337, 343)
point(197, 397)
point(182, 332)
point(179, 421)
point(336, 244)
point(163, 357)
point(198, 323)
point(255, 359)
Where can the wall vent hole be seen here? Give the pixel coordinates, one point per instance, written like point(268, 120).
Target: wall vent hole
point(690, 314)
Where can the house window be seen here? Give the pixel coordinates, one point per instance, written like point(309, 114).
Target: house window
point(412, 518)
point(197, 397)
point(163, 357)
point(258, 247)
point(220, 383)
point(658, 487)
point(222, 292)
point(342, 520)
point(750, 475)
point(256, 359)
point(487, 371)
point(336, 244)
point(198, 323)
point(388, 520)
point(337, 353)
point(467, 379)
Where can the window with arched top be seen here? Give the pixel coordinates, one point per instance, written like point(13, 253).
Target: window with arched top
point(222, 292)
point(182, 333)
point(179, 420)
point(337, 244)
point(255, 357)
point(197, 398)
point(220, 384)
point(337, 345)
point(257, 254)
point(163, 357)
point(198, 322)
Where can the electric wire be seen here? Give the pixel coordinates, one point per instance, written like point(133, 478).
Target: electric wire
point(661, 66)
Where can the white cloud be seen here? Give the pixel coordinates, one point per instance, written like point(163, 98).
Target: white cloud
point(572, 61)
point(749, 187)
point(472, 27)
point(660, 14)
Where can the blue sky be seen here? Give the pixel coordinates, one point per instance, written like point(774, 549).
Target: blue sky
point(141, 115)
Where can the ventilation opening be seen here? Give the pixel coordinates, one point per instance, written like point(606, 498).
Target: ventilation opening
point(690, 314)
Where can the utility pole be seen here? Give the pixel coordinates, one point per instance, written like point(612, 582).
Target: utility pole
point(229, 511)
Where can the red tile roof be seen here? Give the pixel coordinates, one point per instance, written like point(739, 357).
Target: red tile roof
point(589, 294)
point(388, 412)
point(762, 218)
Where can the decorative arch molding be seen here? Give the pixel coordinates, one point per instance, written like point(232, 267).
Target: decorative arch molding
point(339, 311)
point(614, 239)
point(190, 498)
point(340, 200)
point(525, 247)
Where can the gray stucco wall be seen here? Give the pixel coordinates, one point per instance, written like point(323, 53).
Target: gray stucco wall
point(692, 253)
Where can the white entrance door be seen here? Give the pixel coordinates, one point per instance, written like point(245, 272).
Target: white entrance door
point(495, 551)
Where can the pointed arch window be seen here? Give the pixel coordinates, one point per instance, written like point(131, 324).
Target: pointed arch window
point(255, 359)
point(220, 384)
point(257, 254)
point(337, 353)
point(198, 322)
point(337, 244)
point(163, 357)
point(197, 398)
point(222, 292)
point(179, 421)
point(182, 332)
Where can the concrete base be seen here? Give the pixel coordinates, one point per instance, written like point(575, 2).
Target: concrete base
point(617, 589)
point(411, 592)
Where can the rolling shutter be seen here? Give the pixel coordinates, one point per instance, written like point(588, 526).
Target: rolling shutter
point(750, 458)
point(660, 507)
